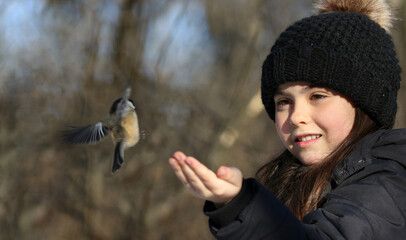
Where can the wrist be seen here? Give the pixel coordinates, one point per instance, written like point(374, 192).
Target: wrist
point(222, 204)
point(225, 214)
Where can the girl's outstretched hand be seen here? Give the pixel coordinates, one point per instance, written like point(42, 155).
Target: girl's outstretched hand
point(220, 187)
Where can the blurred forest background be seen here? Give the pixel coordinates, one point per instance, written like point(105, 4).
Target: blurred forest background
point(194, 67)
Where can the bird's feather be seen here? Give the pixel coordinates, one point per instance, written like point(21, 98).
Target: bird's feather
point(90, 134)
point(118, 156)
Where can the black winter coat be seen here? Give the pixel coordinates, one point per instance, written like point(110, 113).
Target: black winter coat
point(367, 200)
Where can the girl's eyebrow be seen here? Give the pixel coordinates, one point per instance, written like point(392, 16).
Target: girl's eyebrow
point(315, 86)
point(306, 88)
point(277, 92)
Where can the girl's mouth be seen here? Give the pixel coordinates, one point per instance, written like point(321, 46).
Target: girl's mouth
point(307, 138)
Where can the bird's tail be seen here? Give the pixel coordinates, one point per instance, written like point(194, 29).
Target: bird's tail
point(118, 156)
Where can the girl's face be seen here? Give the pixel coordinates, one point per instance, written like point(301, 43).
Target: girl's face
point(312, 121)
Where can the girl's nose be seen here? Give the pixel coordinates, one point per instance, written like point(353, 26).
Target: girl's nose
point(299, 115)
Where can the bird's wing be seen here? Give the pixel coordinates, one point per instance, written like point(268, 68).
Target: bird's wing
point(87, 134)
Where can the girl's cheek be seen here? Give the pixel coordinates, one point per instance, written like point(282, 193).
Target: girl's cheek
point(282, 129)
point(279, 127)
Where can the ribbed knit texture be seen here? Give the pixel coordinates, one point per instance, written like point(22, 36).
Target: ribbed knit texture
point(346, 52)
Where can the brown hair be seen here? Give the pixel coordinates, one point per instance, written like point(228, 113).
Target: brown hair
point(302, 187)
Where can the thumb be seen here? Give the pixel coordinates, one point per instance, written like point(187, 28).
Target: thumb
point(230, 174)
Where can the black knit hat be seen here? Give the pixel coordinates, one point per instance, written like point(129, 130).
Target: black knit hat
point(344, 51)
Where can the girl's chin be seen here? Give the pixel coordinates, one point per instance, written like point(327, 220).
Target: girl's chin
point(310, 160)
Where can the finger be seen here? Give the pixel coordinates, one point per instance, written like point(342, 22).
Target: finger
point(209, 179)
point(184, 173)
point(194, 181)
point(178, 161)
point(219, 190)
point(201, 171)
point(174, 164)
point(180, 156)
point(178, 170)
point(230, 174)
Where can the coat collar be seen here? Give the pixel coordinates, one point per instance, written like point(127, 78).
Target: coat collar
point(386, 144)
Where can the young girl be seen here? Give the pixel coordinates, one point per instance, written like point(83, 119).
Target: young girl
point(330, 84)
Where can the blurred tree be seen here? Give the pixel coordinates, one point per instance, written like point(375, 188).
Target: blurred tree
point(399, 35)
point(194, 68)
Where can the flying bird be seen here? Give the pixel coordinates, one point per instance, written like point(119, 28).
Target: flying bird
point(121, 124)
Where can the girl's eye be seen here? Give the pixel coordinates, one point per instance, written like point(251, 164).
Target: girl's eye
point(317, 96)
point(282, 102)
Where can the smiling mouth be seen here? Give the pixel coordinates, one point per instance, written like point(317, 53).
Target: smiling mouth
point(307, 138)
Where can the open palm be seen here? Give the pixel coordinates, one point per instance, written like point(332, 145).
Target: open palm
point(220, 187)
